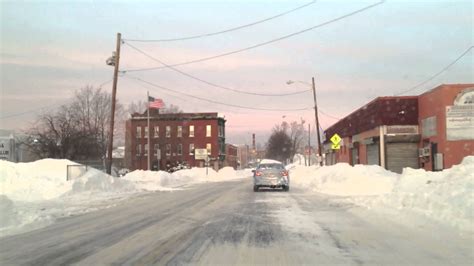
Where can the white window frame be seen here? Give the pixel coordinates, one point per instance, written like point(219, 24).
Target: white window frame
point(209, 148)
point(191, 131)
point(180, 132)
point(156, 147)
point(156, 132)
point(138, 132)
point(191, 148)
point(168, 131)
point(208, 130)
point(168, 149)
point(179, 149)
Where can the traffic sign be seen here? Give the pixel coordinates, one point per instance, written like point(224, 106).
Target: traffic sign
point(200, 154)
point(335, 146)
point(335, 139)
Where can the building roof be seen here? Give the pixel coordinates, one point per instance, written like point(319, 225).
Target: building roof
point(389, 110)
point(449, 86)
point(177, 116)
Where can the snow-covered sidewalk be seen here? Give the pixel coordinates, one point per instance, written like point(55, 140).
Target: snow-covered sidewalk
point(35, 194)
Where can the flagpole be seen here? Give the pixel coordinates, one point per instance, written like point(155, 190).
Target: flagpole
point(148, 122)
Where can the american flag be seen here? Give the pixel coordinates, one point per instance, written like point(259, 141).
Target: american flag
point(155, 103)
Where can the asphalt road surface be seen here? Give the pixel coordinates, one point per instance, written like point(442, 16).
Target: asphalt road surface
point(228, 224)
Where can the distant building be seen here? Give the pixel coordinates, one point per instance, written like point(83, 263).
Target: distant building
point(434, 131)
point(231, 158)
point(173, 139)
point(13, 148)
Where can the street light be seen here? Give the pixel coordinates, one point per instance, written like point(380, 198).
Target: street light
point(315, 112)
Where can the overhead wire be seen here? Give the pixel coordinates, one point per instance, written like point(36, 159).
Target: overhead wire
point(43, 107)
point(263, 43)
point(227, 30)
point(437, 74)
point(208, 82)
point(212, 101)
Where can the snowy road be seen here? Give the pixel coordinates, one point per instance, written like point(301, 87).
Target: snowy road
point(227, 223)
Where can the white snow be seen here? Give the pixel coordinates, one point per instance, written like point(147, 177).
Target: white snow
point(446, 197)
point(34, 194)
point(268, 161)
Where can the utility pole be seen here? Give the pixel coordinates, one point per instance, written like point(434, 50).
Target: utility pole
point(149, 130)
point(309, 144)
point(317, 122)
point(116, 60)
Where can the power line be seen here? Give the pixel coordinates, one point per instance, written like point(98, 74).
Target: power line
point(208, 82)
point(437, 74)
point(49, 106)
point(264, 43)
point(216, 102)
point(227, 30)
point(327, 115)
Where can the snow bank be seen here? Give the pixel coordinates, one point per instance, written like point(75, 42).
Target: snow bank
point(343, 180)
point(40, 180)
point(446, 196)
point(34, 194)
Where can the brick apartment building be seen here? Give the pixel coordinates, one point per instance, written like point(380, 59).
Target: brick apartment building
point(231, 158)
point(434, 131)
point(173, 138)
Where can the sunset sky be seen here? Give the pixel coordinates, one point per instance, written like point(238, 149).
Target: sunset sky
point(49, 49)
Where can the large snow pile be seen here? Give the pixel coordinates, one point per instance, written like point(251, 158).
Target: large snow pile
point(32, 193)
point(445, 196)
point(343, 180)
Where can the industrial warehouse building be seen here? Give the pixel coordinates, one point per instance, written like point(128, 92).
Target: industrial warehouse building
point(173, 138)
point(434, 131)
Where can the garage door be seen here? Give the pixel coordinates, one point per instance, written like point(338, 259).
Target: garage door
point(401, 155)
point(373, 154)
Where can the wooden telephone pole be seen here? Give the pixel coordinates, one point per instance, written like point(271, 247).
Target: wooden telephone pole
point(115, 61)
point(317, 124)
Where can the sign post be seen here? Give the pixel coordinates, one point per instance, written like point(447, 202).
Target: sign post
point(201, 154)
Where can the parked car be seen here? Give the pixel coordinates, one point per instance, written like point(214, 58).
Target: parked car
point(271, 174)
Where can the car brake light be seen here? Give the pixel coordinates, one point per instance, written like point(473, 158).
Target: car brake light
point(284, 173)
point(258, 173)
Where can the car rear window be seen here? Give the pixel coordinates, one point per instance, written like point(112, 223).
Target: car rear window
point(271, 166)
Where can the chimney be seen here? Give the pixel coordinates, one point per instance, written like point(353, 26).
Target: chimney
point(253, 141)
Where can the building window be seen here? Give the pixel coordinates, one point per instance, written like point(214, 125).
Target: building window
point(156, 147)
point(180, 149)
point(157, 132)
point(191, 148)
point(221, 131)
point(139, 132)
point(180, 131)
point(146, 132)
point(191, 131)
point(146, 149)
point(139, 150)
point(209, 148)
point(168, 149)
point(208, 130)
point(168, 131)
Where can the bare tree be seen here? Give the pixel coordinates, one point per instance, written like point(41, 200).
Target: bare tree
point(297, 134)
point(78, 130)
point(279, 144)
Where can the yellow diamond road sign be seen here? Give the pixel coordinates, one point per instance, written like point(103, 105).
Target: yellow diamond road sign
point(335, 146)
point(335, 139)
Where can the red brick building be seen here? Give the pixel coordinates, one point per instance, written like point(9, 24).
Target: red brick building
point(434, 131)
point(231, 158)
point(173, 138)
